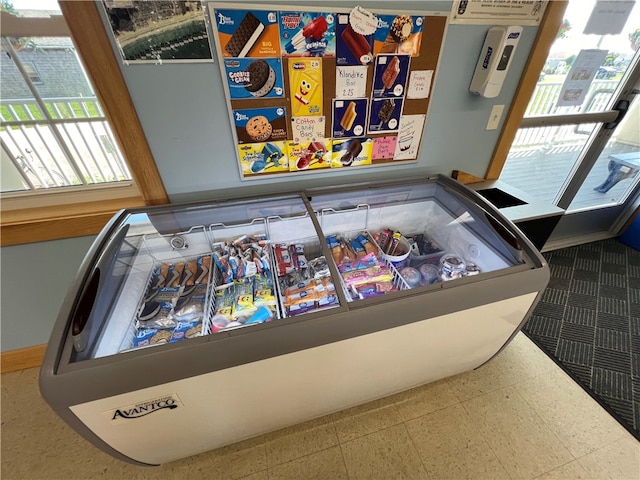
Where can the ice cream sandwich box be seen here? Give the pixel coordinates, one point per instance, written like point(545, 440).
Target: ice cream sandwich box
point(352, 47)
point(305, 81)
point(254, 78)
point(353, 152)
point(349, 118)
point(384, 115)
point(309, 155)
point(390, 77)
point(244, 33)
point(398, 34)
point(255, 125)
point(307, 34)
point(261, 158)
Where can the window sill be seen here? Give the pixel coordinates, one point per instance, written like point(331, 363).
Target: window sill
point(57, 222)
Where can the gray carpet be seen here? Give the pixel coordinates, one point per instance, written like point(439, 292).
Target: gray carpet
point(588, 321)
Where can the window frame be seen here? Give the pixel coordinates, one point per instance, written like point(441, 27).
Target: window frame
point(86, 213)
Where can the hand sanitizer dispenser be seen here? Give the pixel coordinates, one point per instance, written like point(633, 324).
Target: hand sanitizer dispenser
point(495, 57)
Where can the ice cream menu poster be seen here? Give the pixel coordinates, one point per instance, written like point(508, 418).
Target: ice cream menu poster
point(311, 90)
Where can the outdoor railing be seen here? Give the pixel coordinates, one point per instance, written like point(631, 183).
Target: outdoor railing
point(544, 102)
point(72, 145)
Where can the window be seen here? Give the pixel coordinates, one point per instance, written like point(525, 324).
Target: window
point(32, 73)
point(69, 158)
point(53, 134)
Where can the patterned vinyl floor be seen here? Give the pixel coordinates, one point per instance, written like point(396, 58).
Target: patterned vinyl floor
point(588, 321)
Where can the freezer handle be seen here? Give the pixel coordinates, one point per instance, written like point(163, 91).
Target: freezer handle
point(505, 233)
point(83, 311)
point(83, 333)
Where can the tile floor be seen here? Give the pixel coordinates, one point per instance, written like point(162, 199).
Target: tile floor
point(518, 417)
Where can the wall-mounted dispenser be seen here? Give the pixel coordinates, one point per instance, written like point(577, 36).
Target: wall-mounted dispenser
point(495, 57)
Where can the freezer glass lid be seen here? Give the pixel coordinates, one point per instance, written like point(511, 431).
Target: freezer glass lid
point(172, 274)
point(423, 233)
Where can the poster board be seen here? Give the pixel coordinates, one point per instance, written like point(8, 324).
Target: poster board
point(316, 90)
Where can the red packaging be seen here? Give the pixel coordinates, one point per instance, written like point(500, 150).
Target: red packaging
point(358, 45)
point(283, 260)
point(315, 29)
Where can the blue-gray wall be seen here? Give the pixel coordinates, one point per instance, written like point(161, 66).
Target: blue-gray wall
point(34, 279)
point(183, 111)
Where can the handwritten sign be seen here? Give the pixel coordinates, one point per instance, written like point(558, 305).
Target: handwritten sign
point(384, 147)
point(307, 129)
point(351, 82)
point(609, 18)
point(419, 84)
point(409, 136)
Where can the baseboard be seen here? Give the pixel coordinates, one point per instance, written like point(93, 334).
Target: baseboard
point(21, 358)
point(578, 240)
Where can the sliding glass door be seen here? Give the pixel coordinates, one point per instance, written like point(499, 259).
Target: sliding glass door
point(578, 146)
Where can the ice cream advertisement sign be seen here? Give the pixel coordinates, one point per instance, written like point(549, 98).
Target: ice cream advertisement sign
point(349, 118)
point(306, 34)
point(353, 152)
point(305, 80)
point(245, 33)
point(390, 77)
point(398, 34)
point(385, 115)
point(352, 46)
point(309, 155)
point(254, 78)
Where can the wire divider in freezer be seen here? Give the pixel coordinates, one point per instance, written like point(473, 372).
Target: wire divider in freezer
point(173, 248)
point(332, 228)
point(221, 232)
point(298, 230)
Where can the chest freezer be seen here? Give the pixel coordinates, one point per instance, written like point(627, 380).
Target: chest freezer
point(190, 327)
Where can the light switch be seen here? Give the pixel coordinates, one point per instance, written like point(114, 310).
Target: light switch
point(494, 117)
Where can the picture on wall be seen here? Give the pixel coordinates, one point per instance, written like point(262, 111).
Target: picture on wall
point(159, 31)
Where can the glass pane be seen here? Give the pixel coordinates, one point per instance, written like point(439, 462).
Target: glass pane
point(16, 100)
point(423, 234)
point(35, 8)
point(39, 155)
point(541, 158)
point(605, 76)
point(10, 177)
point(176, 273)
point(54, 128)
point(61, 81)
point(617, 170)
point(93, 152)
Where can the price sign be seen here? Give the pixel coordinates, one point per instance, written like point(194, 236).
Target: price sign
point(351, 82)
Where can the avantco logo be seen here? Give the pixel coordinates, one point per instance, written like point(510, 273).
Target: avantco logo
point(138, 410)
